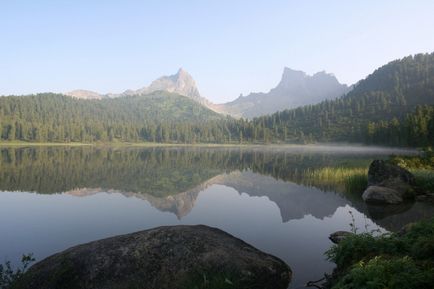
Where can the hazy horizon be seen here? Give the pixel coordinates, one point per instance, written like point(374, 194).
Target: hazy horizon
point(228, 48)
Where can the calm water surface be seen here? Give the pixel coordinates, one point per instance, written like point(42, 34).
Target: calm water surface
point(52, 198)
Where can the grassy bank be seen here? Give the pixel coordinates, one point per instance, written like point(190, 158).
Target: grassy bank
point(351, 180)
point(392, 261)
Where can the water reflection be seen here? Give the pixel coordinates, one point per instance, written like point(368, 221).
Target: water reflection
point(83, 194)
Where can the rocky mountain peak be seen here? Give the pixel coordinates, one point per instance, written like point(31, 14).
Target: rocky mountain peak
point(296, 88)
point(181, 82)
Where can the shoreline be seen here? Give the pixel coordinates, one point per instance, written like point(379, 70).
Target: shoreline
point(258, 145)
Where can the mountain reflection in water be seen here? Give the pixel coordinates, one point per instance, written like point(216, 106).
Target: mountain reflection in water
point(261, 196)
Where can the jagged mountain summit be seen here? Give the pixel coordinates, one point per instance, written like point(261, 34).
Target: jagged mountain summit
point(180, 83)
point(296, 88)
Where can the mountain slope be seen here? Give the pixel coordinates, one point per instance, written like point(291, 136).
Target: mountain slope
point(296, 88)
point(390, 92)
point(181, 83)
point(54, 117)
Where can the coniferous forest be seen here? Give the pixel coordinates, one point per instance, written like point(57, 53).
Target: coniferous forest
point(392, 106)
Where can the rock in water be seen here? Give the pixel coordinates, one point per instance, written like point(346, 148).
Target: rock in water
point(338, 236)
point(388, 184)
point(381, 171)
point(173, 257)
point(381, 195)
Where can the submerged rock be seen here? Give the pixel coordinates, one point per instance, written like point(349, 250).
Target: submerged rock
point(338, 236)
point(165, 257)
point(388, 184)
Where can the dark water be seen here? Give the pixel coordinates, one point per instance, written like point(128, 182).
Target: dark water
point(52, 198)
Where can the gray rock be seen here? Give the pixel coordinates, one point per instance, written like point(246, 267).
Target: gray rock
point(338, 236)
point(381, 171)
point(381, 195)
point(388, 184)
point(172, 257)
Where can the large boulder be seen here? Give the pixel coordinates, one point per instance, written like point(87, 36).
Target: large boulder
point(385, 174)
point(388, 184)
point(173, 257)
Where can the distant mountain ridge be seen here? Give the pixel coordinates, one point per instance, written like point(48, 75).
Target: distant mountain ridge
point(181, 83)
point(393, 106)
point(295, 89)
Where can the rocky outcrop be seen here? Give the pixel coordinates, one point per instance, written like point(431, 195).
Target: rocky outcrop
point(181, 83)
point(164, 257)
point(385, 173)
point(388, 184)
point(295, 89)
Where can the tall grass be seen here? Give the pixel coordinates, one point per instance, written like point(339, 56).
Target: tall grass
point(351, 180)
point(424, 179)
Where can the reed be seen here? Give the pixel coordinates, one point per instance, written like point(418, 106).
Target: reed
point(352, 180)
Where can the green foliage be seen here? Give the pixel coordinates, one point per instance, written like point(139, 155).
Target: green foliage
point(9, 276)
point(361, 247)
point(352, 180)
point(387, 273)
point(157, 117)
point(393, 106)
point(422, 162)
point(421, 166)
point(424, 179)
point(156, 171)
point(386, 261)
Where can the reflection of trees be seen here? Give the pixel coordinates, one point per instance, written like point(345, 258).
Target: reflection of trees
point(156, 171)
point(171, 178)
point(159, 172)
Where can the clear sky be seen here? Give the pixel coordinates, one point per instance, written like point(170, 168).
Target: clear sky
point(229, 46)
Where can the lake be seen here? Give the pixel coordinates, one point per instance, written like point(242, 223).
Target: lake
point(52, 198)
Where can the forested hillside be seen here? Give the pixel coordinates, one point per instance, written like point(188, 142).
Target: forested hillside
point(383, 100)
point(393, 105)
point(160, 116)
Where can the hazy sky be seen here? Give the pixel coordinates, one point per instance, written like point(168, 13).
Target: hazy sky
point(229, 47)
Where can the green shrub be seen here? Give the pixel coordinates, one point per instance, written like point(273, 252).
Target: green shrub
point(382, 273)
point(9, 276)
point(424, 179)
point(423, 161)
point(391, 261)
point(361, 247)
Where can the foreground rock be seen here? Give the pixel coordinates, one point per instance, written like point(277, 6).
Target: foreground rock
point(388, 184)
point(164, 257)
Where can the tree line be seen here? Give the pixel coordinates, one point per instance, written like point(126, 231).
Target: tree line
point(393, 105)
